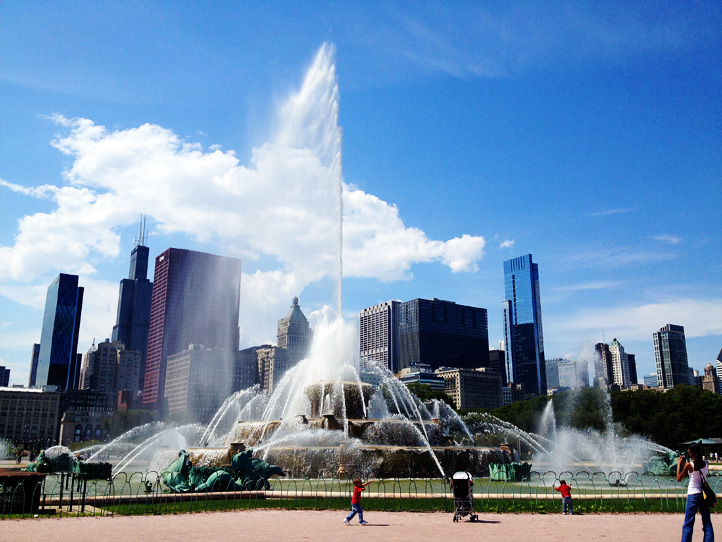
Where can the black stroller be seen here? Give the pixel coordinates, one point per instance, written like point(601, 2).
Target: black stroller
point(462, 486)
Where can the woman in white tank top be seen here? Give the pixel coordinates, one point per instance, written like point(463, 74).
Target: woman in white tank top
point(696, 468)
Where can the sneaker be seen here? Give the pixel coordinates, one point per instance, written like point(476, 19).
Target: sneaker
point(346, 522)
point(363, 522)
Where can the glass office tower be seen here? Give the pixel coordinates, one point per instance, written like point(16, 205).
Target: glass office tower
point(670, 353)
point(58, 362)
point(442, 334)
point(523, 326)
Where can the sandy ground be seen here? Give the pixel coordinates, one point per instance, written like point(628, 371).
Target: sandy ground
point(322, 526)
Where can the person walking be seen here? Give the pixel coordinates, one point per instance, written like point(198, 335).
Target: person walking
point(566, 491)
point(358, 487)
point(696, 468)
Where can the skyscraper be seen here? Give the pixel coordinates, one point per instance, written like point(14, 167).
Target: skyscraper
point(497, 363)
point(670, 353)
point(294, 334)
point(620, 365)
point(379, 336)
point(632, 362)
point(552, 372)
point(710, 381)
point(101, 366)
point(523, 326)
point(197, 382)
point(602, 366)
point(34, 365)
point(651, 380)
point(4, 377)
point(272, 363)
point(127, 374)
point(196, 299)
point(442, 334)
point(58, 362)
point(472, 388)
point(134, 299)
point(572, 373)
point(397, 335)
point(98, 368)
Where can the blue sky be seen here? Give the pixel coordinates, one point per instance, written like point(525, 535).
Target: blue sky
point(586, 134)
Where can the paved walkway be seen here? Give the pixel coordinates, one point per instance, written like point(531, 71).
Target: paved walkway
point(327, 526)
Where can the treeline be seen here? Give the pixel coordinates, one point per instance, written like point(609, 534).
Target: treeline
point(681, 414)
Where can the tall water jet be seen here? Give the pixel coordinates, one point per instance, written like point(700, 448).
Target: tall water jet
point(311, 138)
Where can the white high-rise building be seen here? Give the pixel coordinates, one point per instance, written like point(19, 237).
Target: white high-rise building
point(620, 365)
point(378, 335)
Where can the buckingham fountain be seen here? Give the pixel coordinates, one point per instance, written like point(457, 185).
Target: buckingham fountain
point(327, 418)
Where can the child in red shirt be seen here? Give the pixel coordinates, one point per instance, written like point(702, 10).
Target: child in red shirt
point(566, 492)
point(358, 487)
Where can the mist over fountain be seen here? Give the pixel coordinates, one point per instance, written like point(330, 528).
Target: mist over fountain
point(568, 449)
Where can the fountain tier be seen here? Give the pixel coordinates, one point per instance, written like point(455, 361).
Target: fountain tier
point(333, 436)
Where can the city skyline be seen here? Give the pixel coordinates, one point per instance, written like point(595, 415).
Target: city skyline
point(587, 136)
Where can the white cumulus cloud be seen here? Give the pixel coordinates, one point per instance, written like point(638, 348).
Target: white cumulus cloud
point(507, 243)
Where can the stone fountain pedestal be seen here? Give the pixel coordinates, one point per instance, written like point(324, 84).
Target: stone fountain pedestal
point(388, 448)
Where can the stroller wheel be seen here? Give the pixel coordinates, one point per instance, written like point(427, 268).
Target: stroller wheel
point(456, 518)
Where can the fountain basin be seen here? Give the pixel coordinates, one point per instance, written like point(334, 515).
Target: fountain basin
point(351, 459)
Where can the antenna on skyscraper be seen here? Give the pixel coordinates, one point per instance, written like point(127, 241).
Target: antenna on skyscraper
point(604, 339)
point(142, 236)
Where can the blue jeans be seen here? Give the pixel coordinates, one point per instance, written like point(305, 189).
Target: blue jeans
point(567, 505)
point(356, 509)
point(694, 503)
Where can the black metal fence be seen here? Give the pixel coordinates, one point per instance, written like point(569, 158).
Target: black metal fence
point(71, 494)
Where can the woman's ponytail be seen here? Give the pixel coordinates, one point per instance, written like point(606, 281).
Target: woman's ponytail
point(696, 449)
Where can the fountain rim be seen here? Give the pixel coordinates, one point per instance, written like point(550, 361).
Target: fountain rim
point(349, 420)
point(360, 447)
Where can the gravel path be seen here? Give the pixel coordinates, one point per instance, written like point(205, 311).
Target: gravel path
point(322, 526)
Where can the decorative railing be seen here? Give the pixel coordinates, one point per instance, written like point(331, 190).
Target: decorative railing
point(73, 494)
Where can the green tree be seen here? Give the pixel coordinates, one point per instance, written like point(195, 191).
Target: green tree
point(425, 393)
point(678, 415)
point(523, 414)
point(589, 408)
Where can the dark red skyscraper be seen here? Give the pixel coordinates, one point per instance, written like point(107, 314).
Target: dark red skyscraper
point(196, 300)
